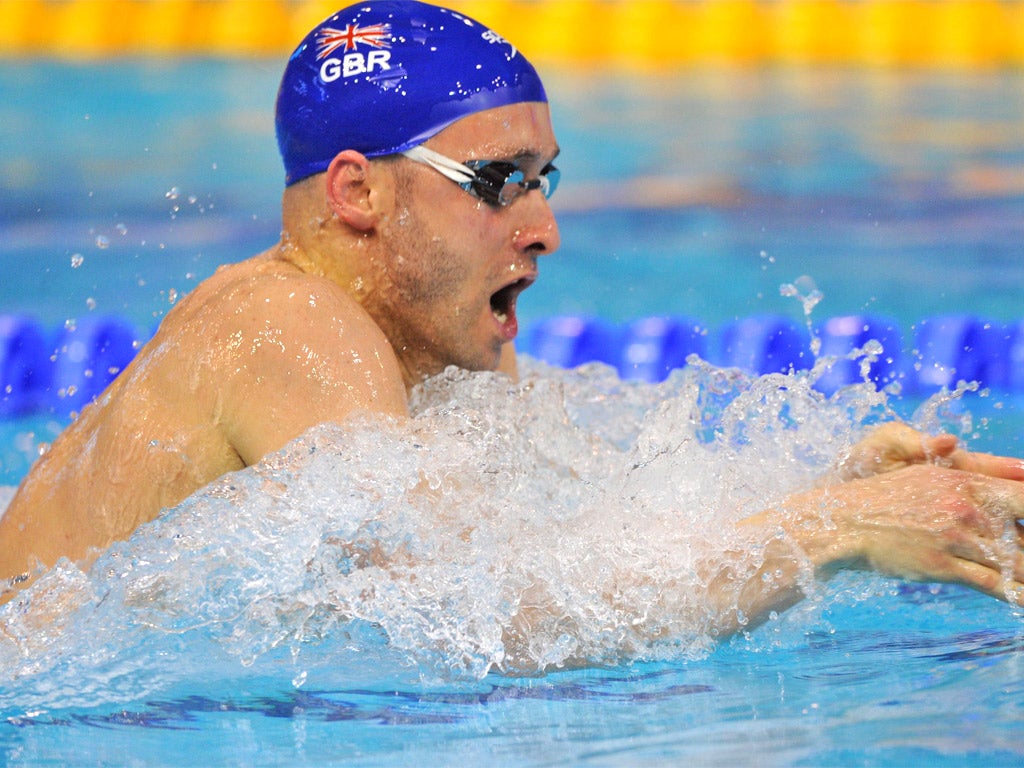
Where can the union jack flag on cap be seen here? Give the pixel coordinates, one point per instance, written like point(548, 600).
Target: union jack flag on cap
point(329, 39)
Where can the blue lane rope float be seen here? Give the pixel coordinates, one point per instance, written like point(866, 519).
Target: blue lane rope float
point(59, 372)
point(840, 335)
point(88, 355)
point(24, 365)
point(652, 346)
point(944, 349)
point(763, 344)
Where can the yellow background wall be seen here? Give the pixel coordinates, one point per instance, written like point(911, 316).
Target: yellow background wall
point(619, 33)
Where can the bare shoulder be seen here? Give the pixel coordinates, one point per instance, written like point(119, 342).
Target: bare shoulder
point(279, 350)
point(259, 305)
point(252, 358)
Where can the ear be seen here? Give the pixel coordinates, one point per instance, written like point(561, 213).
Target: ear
point(350, 190)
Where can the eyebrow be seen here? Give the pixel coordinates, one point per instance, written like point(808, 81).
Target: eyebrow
point(529, 154)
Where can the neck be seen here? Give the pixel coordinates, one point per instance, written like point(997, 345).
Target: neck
point(317, 243)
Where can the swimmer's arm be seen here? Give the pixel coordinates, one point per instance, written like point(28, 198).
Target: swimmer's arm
point(922, 523)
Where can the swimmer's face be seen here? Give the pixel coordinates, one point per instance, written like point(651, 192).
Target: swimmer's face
point(457, 264)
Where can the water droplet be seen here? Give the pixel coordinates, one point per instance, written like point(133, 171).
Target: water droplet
point(102, 242)
point(90, 303)
point(121, 229)
point(76, 260)
point(804, 289)
point(873, 347)
point(172, 193)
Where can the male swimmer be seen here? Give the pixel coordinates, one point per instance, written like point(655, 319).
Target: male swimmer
point(418, 151)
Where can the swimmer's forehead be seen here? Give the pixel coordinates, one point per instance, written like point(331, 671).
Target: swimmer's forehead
point(517, 132)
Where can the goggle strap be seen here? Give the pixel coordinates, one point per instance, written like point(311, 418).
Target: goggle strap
point(457, 172)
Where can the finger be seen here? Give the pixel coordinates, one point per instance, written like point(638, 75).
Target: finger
point(989, 580)
point(944, 446)
point(907, 444)
point(1004, 498)
point(1012, 564)
point(1015, 594)
point(941, 446)
point(1000, 554)
point(891, 446)
point(1003, 467)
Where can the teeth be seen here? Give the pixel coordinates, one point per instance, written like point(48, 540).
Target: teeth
point(503, 303)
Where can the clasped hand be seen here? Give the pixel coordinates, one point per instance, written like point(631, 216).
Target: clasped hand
point(921, 508)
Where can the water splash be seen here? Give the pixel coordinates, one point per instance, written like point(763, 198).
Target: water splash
point(515, 528)
point(806, 291)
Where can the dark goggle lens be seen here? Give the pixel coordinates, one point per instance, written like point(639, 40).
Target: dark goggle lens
point(499, 183)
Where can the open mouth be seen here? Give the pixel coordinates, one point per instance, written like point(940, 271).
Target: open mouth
point(503, 304)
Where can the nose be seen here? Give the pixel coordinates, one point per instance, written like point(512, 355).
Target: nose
point(538, 230)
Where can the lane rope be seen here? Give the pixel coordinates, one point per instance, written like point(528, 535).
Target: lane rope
point(59, 371)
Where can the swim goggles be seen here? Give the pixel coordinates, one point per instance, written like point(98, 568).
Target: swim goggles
point(496, 182)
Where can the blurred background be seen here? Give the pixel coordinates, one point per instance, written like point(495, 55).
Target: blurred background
point(638, 34)
point(752, 174)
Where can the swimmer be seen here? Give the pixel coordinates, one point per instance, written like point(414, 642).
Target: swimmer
point(419, 157)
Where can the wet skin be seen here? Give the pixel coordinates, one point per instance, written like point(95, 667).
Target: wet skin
point(386, 273)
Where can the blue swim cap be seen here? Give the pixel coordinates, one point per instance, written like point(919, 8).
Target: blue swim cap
point(382, 77)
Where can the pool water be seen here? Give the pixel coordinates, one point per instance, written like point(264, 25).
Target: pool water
point(699, 194)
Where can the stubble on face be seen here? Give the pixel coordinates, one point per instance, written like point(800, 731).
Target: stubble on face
point(418, 307)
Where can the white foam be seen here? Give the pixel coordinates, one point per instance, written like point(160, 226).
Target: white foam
point(508, 527)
